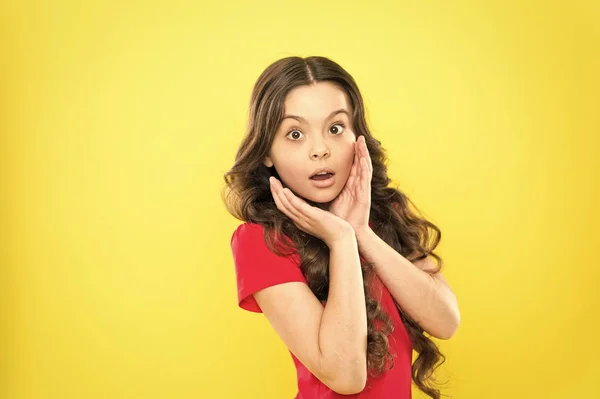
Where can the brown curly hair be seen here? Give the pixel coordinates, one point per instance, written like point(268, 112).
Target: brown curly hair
point(247, 197)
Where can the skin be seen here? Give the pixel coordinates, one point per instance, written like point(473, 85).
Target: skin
point(312, 135)
point(330, 340)
point(319, 140)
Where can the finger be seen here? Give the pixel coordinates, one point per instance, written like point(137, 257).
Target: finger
point(276, 190)
point(354, 169)
point(290, 201)
point(362, 147)
point(277, 199)
point(286, 196)
point(368, 169)
point(300, 208)
point(365, 181)
point(365, 153)
point(305, 211)
point(353, 174)
point(297, 209)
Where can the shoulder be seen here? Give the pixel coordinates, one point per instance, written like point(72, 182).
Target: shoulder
point(247, 228)
point(247, 233)
point(250, 237)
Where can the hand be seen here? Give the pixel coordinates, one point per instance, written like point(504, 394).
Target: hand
point(353, 204)
point(310, 219)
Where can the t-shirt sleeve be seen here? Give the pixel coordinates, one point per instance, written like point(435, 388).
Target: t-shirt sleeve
point(257, 267)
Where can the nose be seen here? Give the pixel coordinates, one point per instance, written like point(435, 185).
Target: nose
point(319, 151)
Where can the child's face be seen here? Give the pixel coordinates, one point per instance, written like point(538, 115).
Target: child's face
point(319, 141)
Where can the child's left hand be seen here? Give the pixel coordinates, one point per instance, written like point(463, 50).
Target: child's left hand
point(353, 204)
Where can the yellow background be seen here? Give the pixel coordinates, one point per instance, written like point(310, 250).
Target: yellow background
point(119, 118)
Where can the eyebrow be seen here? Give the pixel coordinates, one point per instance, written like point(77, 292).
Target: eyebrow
point(301, 119)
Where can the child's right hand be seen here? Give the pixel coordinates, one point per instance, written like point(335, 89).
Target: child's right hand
point(312, 220)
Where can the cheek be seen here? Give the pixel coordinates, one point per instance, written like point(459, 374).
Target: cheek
point(289, 169)
point(283, 158)
point(349, 158)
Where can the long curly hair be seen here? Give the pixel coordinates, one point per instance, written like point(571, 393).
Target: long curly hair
point(247, 196)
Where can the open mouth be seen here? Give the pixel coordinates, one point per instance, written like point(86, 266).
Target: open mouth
point(322, 176)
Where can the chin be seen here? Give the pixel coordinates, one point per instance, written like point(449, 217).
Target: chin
point(324, 196)
point(316, 195)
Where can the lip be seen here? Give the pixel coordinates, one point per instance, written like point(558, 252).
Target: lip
point(324, 183)
point(320, 170)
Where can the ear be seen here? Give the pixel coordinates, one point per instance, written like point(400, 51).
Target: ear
point(268, 162)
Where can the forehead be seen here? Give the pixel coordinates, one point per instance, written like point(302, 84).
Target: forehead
point(316, 101)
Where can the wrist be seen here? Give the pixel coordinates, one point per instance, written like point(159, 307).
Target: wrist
point(363, 233)
point(343, 237)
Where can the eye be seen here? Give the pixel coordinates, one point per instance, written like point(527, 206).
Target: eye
point(338, 131)
point(296, 134)
point(296, 138)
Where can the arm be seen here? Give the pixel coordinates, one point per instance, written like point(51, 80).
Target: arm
point(427, 299)
point(331, 341)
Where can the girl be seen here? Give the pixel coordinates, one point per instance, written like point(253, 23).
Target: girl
point(335, 259)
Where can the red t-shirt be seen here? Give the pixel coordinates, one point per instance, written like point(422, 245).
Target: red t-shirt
point(257, 268)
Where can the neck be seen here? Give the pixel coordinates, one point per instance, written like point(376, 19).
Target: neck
point(321, 205)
